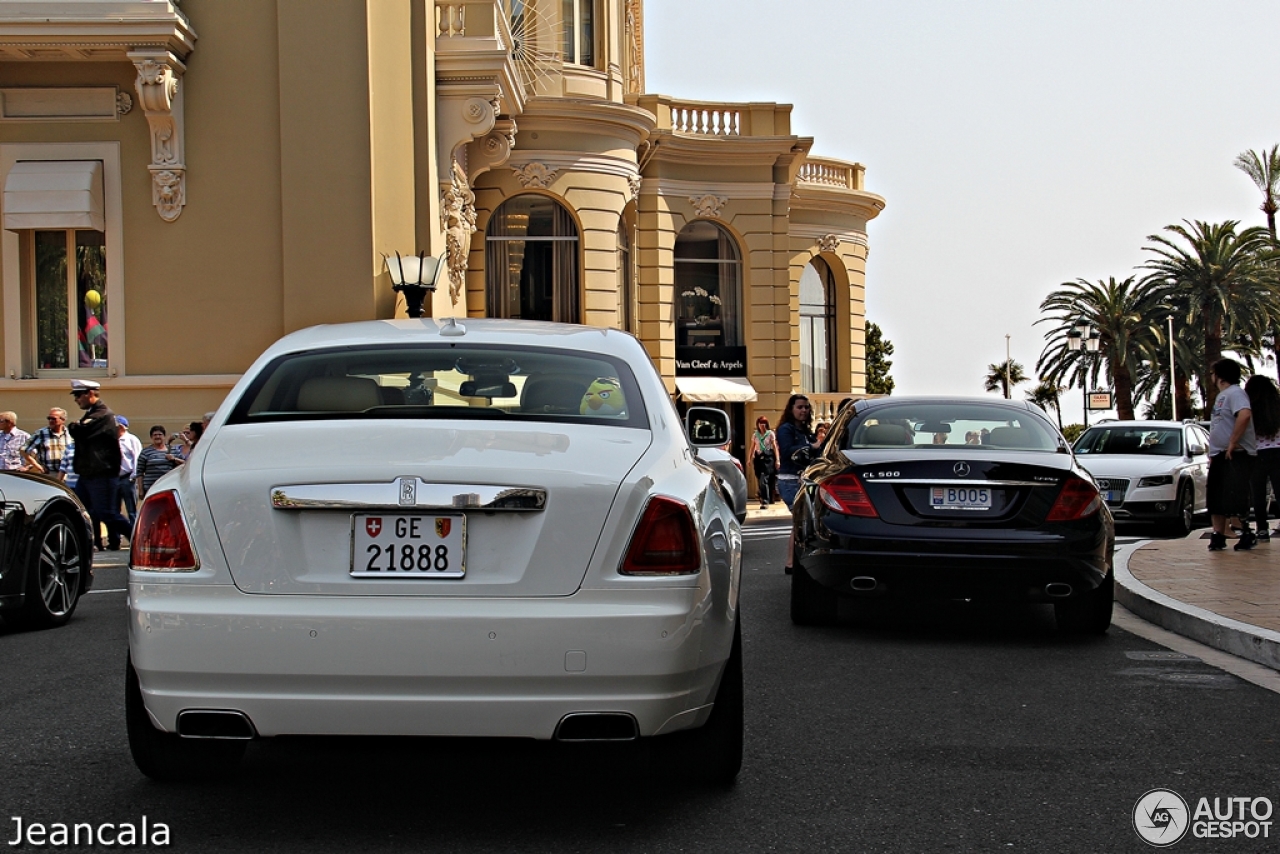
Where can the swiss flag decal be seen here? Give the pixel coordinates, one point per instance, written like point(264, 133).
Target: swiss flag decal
point(373, 525)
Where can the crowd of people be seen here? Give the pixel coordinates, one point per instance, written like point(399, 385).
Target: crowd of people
point(1244, 456)
point(98, 458)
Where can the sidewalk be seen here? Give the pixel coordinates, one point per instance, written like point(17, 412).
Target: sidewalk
point(1228, 600)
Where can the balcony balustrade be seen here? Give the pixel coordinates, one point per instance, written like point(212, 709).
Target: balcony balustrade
point(718, 120)
point(824, 172)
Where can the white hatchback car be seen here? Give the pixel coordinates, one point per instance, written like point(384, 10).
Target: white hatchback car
point(439, 528)
point(1153, 471)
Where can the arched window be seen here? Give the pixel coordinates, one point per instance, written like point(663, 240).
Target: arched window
point(817, 327)
point(708, 287)
point(531, 261)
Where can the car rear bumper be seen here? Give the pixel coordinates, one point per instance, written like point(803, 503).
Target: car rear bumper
point(316, 665)
point(1138, 510)
point(967, 565)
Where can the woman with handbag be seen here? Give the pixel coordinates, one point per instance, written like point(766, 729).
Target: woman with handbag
point(797, 447)
point(763, 457)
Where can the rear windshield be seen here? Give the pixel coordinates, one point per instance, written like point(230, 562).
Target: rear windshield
point(1148, 441)
point(444, 381)
point(933, 425)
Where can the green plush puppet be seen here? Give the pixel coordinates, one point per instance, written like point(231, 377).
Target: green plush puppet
point(603, 399)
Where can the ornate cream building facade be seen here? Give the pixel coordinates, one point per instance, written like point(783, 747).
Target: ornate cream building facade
point(184, 183)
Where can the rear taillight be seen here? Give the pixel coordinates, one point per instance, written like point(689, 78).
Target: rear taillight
point(160, 540)
point(664, 542)
point(845, 494)
point(1079, 498)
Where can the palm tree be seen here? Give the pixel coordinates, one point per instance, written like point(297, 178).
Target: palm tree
point(1003, 376)
point(1264, 171)
point(1048, 395)
point(1221, 278)
point(1126, 317)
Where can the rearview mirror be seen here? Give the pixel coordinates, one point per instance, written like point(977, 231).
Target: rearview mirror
point(706, 427)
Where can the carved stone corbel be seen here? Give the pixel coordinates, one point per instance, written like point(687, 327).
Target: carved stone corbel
point(462, 118)
point(160, 96)
point(458, 221)
point(634, 183)
point(828, 243)
point(491, 151)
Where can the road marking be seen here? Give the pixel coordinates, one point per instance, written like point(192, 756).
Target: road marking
point(1263, 677)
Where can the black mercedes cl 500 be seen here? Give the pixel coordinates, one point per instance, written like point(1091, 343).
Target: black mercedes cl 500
point(46, 551)
point(951, 498)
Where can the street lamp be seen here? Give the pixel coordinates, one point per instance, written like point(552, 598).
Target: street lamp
point(415, 277)
point(1173, 394)
point(1084, 338)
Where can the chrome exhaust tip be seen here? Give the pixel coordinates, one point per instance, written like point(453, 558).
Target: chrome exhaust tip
point(597, 726)
point(1057, 589)
point(225, 724)
point(863, 583)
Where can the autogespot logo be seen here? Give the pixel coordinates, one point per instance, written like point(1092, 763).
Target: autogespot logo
point(1160, 817)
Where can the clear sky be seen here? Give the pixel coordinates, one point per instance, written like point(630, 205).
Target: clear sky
point(1018, 145)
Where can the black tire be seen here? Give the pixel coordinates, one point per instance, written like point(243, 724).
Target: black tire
point(713, 752)
point(1088, 614)
point(167, 756)
point(1183, 523)
point(57, 562)
point(811, 603)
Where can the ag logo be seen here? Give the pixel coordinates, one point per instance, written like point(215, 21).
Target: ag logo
point(1161, 817)
point(373, 525)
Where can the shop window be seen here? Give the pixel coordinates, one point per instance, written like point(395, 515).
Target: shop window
point(817, 327)
point(708, 285)
point(531, 261)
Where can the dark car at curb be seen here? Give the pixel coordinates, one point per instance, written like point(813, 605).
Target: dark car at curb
point(951, 498)
point(46, 551)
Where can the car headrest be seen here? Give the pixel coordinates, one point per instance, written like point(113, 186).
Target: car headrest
point(887, 434)
point(1011, 437)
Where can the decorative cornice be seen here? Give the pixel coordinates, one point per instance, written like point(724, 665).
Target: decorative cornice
point(707, 205)
point(570, 161)
point(159, 94)
point(77, 31)
point(741, 190)
point(820, 233)
point(535, 175)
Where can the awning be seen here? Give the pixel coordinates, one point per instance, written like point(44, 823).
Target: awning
point(715, 389)
point(54, 194)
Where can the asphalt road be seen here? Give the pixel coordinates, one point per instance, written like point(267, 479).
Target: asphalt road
point(952, 728)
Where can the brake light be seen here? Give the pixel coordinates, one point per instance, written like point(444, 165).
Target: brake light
point(1079, 498)
point(664, 542)
point(160, 540)
point(845, 494)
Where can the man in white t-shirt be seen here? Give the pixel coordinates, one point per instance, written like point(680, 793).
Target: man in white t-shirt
point(1232, 446)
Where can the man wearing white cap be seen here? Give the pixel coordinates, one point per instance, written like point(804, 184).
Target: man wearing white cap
point(97, 463)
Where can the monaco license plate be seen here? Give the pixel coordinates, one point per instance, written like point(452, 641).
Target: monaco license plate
point(405, 545)
point(960, 498)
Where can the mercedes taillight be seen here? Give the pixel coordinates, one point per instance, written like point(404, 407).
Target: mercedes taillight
point(1079, 498)
point(844, 493)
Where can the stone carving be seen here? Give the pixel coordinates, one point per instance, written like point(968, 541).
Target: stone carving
point(634, 182)
point(168, 193)
point(828, 243)
point(707, 206)
point(634, 38)
point(478, 110)
point(458, 219)
point(157, 88)
point(124, 103)
point(535, 175)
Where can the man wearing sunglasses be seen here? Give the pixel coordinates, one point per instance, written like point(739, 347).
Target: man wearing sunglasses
point(48, 445)
point(97, 463)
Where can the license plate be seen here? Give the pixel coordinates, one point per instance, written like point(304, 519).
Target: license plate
point(1113, 497)
point(402, 545)
point(960, 498)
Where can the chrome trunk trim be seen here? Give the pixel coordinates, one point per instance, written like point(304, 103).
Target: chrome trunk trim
point(938, 481)
point(407, 493)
